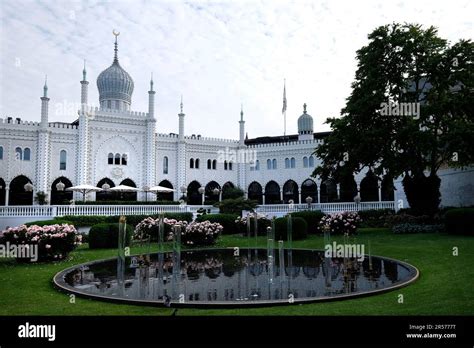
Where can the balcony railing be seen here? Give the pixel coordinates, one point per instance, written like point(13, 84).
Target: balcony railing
point(108, 210)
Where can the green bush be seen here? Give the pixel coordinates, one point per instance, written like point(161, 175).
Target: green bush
point(49, 222)
point(375, 217)
point(105, 235)
point(300, 228)
point(408, 228)
point(460, 221)
point(392, 220)
point(236, 205)
point(232, 193)
point(226, 220)
point(312, 219)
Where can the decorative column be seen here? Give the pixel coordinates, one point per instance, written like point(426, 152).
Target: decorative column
point(83, 165)
point(7, 192)
point(318, 184)
point(338, 187)
point(150, 154)
point(43, 153)
point(380, 192)
point(181, 156)
point(263, 197)
point(281, 195)
point(299, 196)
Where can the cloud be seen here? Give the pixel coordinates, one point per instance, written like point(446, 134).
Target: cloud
point(217, 54)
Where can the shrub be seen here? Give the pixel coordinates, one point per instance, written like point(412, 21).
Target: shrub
point(262, 223)
point(49, 222)
point(236, 205)
point(226, 220)
point(375, 217)
point(341, 223)
point(105, 235)
point(460, 221)
point(407, 228)
point(232, 193)
point(392, 220)
point(200, 233)
point(54, 241)
point(149, 227)
point(300, 228)
point(312, 219)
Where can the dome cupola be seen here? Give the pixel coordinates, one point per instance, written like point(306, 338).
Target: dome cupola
point(115, 85)
point(305, 123)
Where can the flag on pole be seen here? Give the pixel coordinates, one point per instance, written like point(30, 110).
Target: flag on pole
point(284, 97)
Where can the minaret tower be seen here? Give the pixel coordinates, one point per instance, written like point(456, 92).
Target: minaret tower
point(83, 145)
point(150, 154)
point(181, 163)
point(43, 154)
point(241, 165)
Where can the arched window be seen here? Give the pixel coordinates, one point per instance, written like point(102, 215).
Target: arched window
point(287, 163)
point(26, 154)
point(191, 163)
point(274, 163)
point(110, 158)
point(62, 160)
point(18, 154)
point(305, 162)
point(292, 162)
point(117, 158)
point(214, 164)
point(225, 165)
point(197, 163)
point(257, 165)
point(311, 161)
point(269, 164)
point(230, 165)
point(165, 165)
point(124, 159)
point(1, 152)
point(209, 164)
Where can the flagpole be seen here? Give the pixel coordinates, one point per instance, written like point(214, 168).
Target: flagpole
point(284, 107)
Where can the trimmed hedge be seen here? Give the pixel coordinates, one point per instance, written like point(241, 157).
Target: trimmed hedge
point(300, 228)
point(312, 219)
point(48, 222)
point(106, 236)
point(226, 220)
point(460, 221)
point(133, 220)
point(409, 228)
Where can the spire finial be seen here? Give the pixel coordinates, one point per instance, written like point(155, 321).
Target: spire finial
point(151, 82)
point(181, 104)
point(304, 108)
point(84, 73)
point(45, 88)
point(241, 111)
point(116, 34)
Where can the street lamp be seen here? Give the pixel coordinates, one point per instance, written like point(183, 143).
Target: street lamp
point(60, 186)
point(216, 192)
point(357, 201)
point(201, 190)
point(28, 187)
point(309, 200)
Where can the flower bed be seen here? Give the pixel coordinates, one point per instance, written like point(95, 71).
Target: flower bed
point(341, 223)
point(148, 227)
point(201, 233)
point(262, 223)
point(54, 242)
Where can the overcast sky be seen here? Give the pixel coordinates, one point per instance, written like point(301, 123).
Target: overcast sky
point(217, 54)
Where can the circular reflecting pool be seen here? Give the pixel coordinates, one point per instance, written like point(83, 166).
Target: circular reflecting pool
point(234, 277)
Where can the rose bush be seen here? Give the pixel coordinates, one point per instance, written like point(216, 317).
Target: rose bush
point(54, 241)
point(341, 223)
point(200, 233)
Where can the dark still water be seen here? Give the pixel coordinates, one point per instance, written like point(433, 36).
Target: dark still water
point(234, 277)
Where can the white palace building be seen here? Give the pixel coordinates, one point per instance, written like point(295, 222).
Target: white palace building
point(113, 145)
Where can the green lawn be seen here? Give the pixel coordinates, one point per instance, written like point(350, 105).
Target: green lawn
point(445, 287)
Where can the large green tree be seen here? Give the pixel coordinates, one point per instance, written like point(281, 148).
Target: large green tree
point(402, 64)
